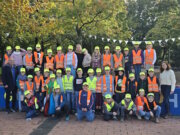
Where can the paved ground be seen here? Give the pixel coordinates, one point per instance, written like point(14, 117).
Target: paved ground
point(15, 124)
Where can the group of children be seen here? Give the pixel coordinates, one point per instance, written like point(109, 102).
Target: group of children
point(53, 85)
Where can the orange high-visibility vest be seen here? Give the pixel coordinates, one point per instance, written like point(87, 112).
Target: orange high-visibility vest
point(73, 60)
point(123, 87)
point(98, 85)
point(149, 57)
point(152, 85)
point(106, 60)
point(6, 58)
point(38, 59)
point(140, 101)
point(59, 62)
point(137, 57)
point(118, 61)
point(28, 61)
point(88, 97)
point(21, 84)
point(38, 80)
point(29, 87)
point(47, 80)
point(49, 63)
point(61, 98)
point(105, 86)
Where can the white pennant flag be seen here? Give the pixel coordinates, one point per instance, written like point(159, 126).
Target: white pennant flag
point(90, 36)
point(159, 41)
point(179, 38)
point(126, 41)
point(102, 39)
point(173, 39)
point(108, 39)
point(95, 37)
point(166, 40)
point(120, 41)
point(114, 40)
point(153, 42)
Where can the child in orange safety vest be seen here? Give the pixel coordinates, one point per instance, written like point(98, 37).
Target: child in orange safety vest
point(29, 85)
point(49, 61)
point(7, 54)
point(59, 60)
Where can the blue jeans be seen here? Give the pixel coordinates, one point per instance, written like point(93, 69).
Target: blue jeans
point(89, 115)
point(70, 100)
point(144, 114)
point(76, 99)
point(157, 112)
point(19, 100)
point(73, 71)
point(137, 69)
point(94, 104)
point(124, 111)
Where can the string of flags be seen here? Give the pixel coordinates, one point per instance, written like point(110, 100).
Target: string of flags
point(127, 41)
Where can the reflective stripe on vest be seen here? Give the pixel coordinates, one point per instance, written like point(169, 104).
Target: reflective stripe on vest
point(21, 84)
point(109, 107)
point(38, 59)
point(49, 63)
point(149, 56)
point(88, 97)
point(129, 106)
point(152, 85)
point(28, 60)
point(107, 60)
point(59, 62)
point(123, 86)
point(92, 83)
point(140, 101)
point(137, 57)
point(98, 85)
point(37, 81)
point(73, 59)
point(29, 87)
point(68, 83)
point(105, 86)
point(118, 61)
point(47, 81)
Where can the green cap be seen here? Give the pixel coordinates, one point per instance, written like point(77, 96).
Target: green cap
point(79, 69)
point(83, 50)
point(59, 71)
point(120, 69)
point(30, 76)
point(97, 48)
point(52, 76)
point(148, 42)
point(85, 83)
point(38, 45)
point(68, 69)
point(49, 51)
point(140, 90)
point(70, 47)
point(8, 48)
point(59, 48)
point(136, 42)
point(29, 48)
point(46, 70)
point(118, 48)
point(151, 70)
point(126, 49)
point(106, 47)
point(107, 68)
point(26, 92)
point(90, 70)
point(142, 74)
point(131, 75)
point(36, 69)
point(128, 96)
point(18, 47)
point(108, 96)
point(22, 70)
point(98, 70)
point(150, 94)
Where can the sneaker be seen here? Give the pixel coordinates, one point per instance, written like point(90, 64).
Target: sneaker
point(139, 117)
point(115, 118)
point(28, 119)
point(156, 120)
point(75, 114)
point(8, 111)
point(67, 118)
point(122, 119)
point(13, 110)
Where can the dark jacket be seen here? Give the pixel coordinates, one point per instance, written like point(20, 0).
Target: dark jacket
point(80, 57)
point(132, 88)
point(77, 83)
point(143, 84)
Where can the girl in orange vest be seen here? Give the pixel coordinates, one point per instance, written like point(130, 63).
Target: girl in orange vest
point(99, 99)
point(120, 85)
point(49, 61)
point(29, 85)
point(7, 54)
point(153, 85)
point(59, 60)
point(107, 58)
point(118, 59)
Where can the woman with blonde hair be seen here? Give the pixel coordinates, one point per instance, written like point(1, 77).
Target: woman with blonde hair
point(96, 58)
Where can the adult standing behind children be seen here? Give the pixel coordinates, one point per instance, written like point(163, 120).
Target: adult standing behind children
point(80, 55)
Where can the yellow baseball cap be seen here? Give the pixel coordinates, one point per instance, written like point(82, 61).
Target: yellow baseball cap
point(118, 48)
point(126, 49)
point(49, 51)
point(136, 42)
point(140, 90)
point(120, 69)
point(8, 48)
point(36, 69)
point(38, 45)
point(108, 96)
point(128, 96)
point(106, 47)
point(151, 70)
point(84, 49)
point(85, 83)
point(59, 48)
point(79, 69)
point(150, 94)
point(98, 70)
point(131, 75)
point(107, 68)
point(148, 42)
point(70, 47)
point(46, 70)
point(59, 71)
point(90, 70)
point(30, 76)
point(22, 70)
point(29, 48)
point(26, 92)
point(57, 87)
point(142, 73)
point(97, 48)
point(52, 76)
point(18, 47)
point(68, 69)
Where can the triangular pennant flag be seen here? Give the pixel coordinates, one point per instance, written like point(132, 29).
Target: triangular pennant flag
point(120, 41)
point(126, 41)
point(159, 41)
point(90, 36)
point(153, 42)
point(179, 38)
point(173, 39)
point(108, 39)
point(114, 40)
point(166, 40)
point(95, 37)
point(102, 39)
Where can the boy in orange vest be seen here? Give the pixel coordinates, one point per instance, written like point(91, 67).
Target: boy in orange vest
point(49, 61)
point(7, 54)
point(132, 86)
point(118, 59)
point(98, 91)
point(137, 59)
point(149, 56)
point(20, 82)
point(59, 60)
point(120, 85)
point(29, 85)
point(153, 85)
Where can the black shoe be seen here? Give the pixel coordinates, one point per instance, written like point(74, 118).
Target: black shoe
point(8, 111)
point(165, 116)
point(12, 110)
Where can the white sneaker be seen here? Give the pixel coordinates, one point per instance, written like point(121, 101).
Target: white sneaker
point(28, 119)
point(139, 117)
